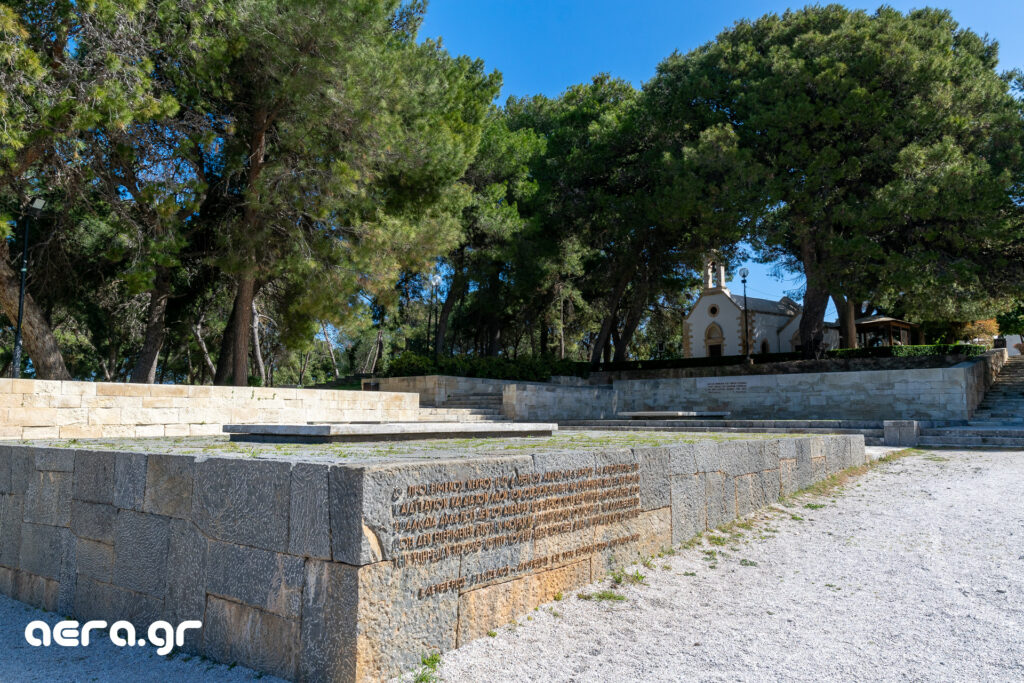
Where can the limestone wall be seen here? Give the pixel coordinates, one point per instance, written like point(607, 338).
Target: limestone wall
point(38, 409)
point(543, 402)
point(950, 393)
point(321, 570)
point(434, 390)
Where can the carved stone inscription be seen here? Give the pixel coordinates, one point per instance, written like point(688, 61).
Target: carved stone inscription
point(732, 387)
point(437, 520)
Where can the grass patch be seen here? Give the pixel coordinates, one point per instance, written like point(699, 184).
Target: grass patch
point(428, 671)
point(747, 563)
point(717, 540)
point(832, 484)
point(814, 506)
point(601, 596)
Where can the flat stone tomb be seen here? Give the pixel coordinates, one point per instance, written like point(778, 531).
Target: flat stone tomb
point(349, 562)
point(385, 431)
point(673, 414)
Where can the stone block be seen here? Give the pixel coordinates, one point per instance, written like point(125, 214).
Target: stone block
point(484, 609)
point(11, 518)
point(97, 600)
point(186, 583)
point(94, 521)
point(140, 552)
point(68, 572)
point(259, 578)
point(309, 524)
point(22, 465)
point(720, 495)
point(238, 633)
point(129, 480)
point(683, 458)
point(48, 500)
point(689, 510)
point(94, 476)
point(35, 590)
point(655, 484)
point(428, 623)
point(95, 560)
point(41, 550)
point(330, 607)
point(755, 491)
point(903, 433)
point(81, 431)
point(5, 470)
point(243, 501)
point(169, 485)
point(7, 581)
point(54, 459)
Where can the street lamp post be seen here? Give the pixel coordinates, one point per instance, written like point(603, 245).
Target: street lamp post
point(34, 209)
point(744, 272)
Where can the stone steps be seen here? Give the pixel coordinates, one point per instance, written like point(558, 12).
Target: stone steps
point(972, 441)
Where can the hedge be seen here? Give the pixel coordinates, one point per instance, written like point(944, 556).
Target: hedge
point(526, 369)
point(534, 369)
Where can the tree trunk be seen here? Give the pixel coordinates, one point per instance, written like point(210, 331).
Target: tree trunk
point(222, 377)
point(197, 332)
point(37, 337)
point(256, 350)
point(244, 296)
point(629, 325)
point(847, 321)
point(544, 336)
point(456, 291)
point(606, 327)
point(156, 329)
point(561, 328)
point(812, 323)
point(330, 347)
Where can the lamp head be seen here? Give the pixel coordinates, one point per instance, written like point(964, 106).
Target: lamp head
point(36, 207)
point(744, 272)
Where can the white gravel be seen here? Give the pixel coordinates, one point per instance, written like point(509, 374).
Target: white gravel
point(101, 660)
point(914, 572)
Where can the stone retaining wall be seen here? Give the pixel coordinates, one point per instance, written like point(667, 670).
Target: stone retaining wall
point(323, 571)
point(531, 402)
point(950, 393)
point(38, 409)
point(434, 390)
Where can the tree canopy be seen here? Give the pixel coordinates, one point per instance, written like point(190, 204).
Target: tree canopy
point(280, 192)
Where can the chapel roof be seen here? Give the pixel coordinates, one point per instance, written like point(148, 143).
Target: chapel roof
point(785, 306)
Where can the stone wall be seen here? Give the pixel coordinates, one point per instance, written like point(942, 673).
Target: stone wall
point(38, 409)
point(533, 402)
point(317, 570)
point(950, 393)
point(434, 390)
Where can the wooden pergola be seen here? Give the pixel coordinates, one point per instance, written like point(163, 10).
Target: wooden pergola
point(880, 330)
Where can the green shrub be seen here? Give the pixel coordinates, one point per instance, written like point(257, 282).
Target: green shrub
point(539, 369)
point(526, 369)
point(968, 350)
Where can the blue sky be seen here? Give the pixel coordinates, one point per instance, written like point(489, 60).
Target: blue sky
point(543, 47)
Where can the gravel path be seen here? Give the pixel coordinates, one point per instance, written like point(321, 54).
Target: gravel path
point(915, 571)
point(101, 661)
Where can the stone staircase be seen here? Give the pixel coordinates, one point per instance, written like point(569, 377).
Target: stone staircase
point(999, 419)
point(465, 408)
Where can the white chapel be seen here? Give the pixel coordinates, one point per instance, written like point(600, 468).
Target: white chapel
point(714, 326)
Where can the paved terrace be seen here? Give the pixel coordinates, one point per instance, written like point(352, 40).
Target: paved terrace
point(370, 453)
